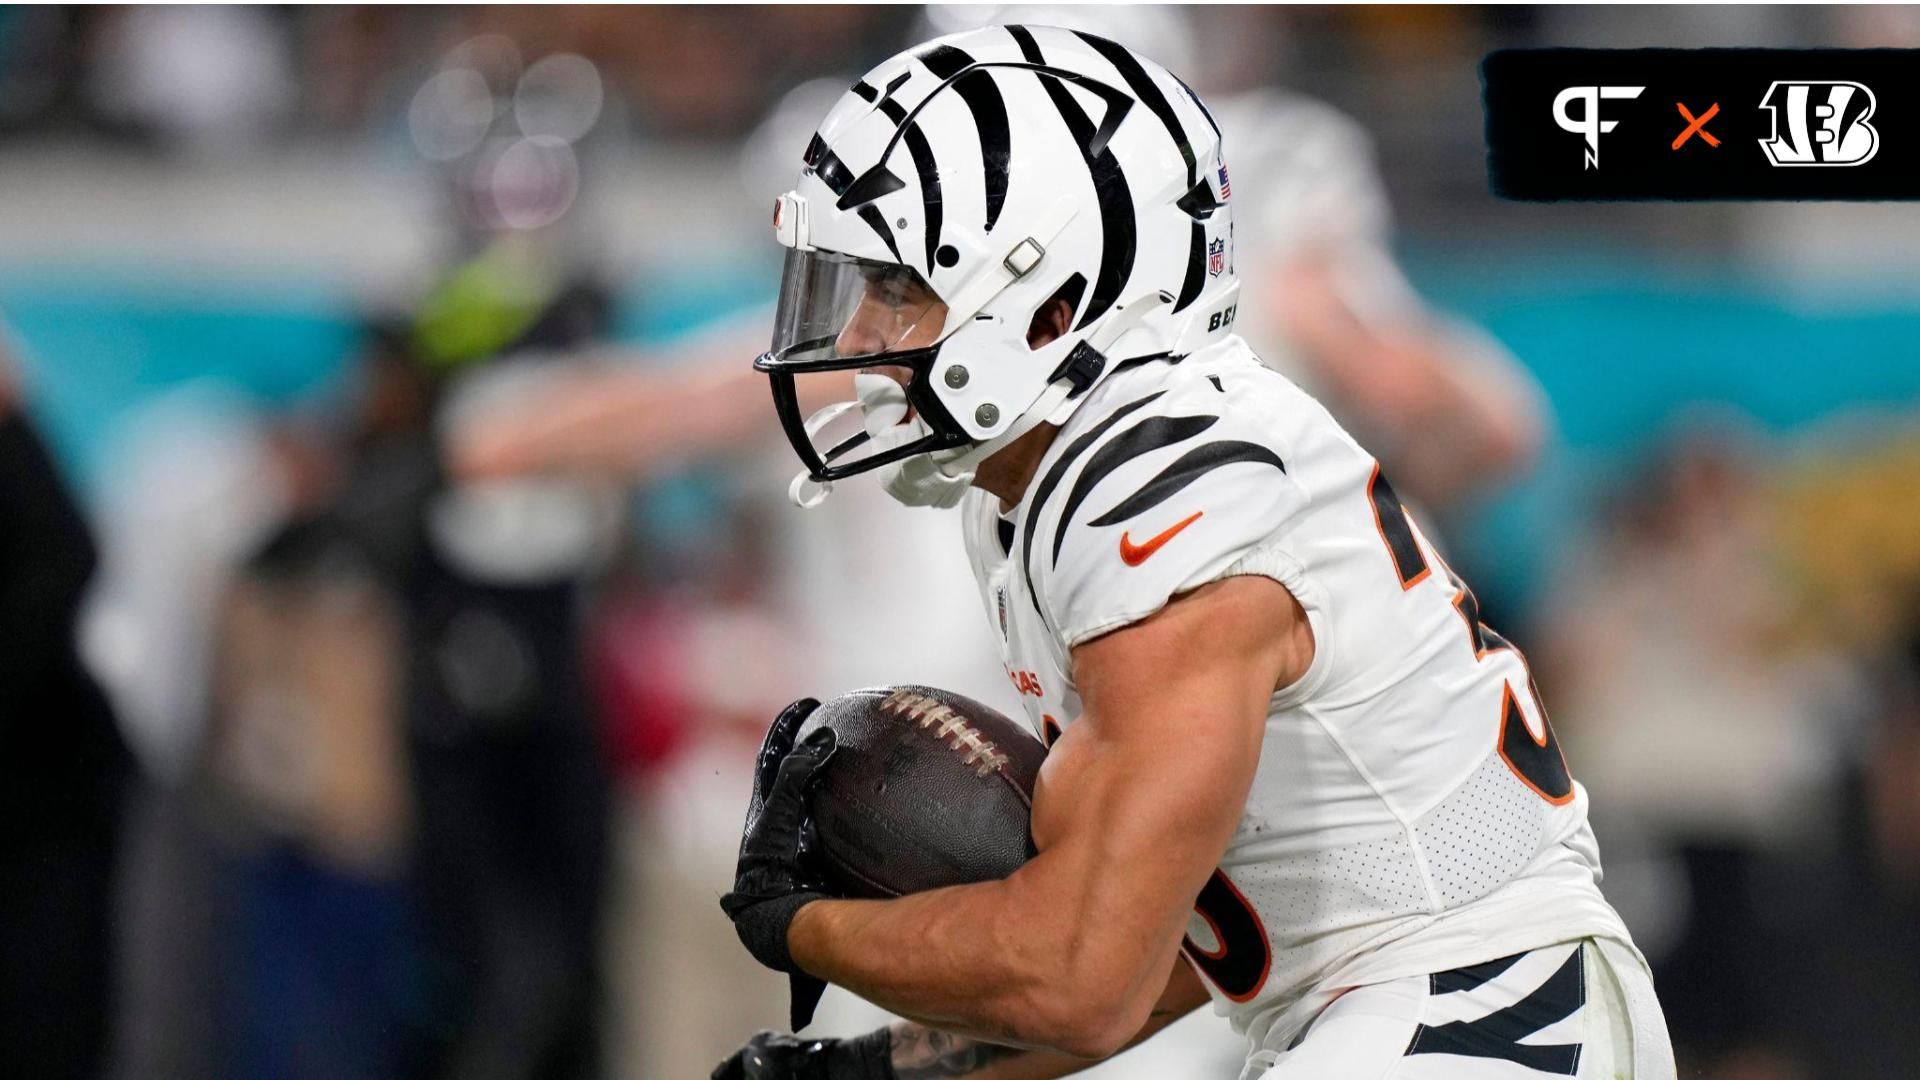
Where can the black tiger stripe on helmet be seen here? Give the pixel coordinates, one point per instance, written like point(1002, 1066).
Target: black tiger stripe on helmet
point(989, 110)
point(1010, 167)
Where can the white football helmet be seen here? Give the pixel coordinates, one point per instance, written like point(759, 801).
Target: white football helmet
point(952, 193)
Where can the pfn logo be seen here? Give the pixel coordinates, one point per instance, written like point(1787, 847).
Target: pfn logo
point(1825, 124)
point(1589, 124)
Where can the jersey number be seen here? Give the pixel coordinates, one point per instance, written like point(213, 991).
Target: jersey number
point(1535, 759)
point(1241, 957)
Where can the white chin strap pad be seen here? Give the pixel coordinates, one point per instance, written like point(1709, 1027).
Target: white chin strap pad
point(806, 493)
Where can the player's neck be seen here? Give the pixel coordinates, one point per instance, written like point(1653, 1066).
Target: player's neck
point(1009, 471)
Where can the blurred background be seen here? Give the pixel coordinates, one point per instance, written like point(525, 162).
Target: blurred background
point(396, 573)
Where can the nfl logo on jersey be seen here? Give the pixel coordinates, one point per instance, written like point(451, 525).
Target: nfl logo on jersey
point(1216, 257)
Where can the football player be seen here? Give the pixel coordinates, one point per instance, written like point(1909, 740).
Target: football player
point(1292, 770)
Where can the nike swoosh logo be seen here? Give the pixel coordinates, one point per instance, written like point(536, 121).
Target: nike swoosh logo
point(1134, 554)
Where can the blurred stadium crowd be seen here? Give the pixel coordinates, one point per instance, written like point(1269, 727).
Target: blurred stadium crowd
point(396, 573)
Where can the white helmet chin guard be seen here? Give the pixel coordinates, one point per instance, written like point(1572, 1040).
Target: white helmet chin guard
point(957, 191)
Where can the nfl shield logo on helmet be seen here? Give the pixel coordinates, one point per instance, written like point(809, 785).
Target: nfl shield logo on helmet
point(1216, 257)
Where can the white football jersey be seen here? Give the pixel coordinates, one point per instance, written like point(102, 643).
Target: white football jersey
point(1411, 812)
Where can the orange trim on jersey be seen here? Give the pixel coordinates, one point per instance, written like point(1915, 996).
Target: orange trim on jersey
point(1510, 704)
point(1266, 942)
point(1219, 938)
point(1381, 528)
point(1460, 597)
point(1477, 633)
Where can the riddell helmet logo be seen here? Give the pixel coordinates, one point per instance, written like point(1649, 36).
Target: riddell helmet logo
point(1820, 123)
point(1589, 125)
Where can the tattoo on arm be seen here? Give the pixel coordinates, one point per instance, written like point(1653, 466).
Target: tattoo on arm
point(922, 1053)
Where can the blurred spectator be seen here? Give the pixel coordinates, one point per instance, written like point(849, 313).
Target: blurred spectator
point(197, 484)
point(509, 772)
point(63, 768)
point(1842, 916)
point(202, 77)
point(1682, 694)
point(1448, 410)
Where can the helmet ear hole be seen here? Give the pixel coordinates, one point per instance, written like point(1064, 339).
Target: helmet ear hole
point(1054, 316)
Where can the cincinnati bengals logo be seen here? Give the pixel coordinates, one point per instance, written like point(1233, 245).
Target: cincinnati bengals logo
point(1820, 123)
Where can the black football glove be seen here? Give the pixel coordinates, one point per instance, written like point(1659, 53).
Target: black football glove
point(772, 883)
point(768, 1056)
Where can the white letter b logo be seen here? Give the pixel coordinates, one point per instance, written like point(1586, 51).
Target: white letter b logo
point(1825, 123)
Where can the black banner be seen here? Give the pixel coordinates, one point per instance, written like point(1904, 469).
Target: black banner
point(1703, 123)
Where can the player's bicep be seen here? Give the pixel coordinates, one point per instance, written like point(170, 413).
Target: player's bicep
point(1142, 793)
point(1185, 693)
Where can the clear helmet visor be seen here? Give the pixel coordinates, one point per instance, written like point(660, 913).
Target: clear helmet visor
point(837, 314)
point(838, 308)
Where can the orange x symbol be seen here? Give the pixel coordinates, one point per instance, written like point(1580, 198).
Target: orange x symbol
point(1697, 125)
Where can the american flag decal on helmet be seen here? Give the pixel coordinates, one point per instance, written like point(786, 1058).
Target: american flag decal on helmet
point(1226, 189)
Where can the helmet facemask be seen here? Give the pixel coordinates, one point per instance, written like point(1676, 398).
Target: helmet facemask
point(842, 313)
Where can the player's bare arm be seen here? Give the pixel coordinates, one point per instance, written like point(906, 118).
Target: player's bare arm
point(626, 418)
point(1133, 811)
point(915, 1051)
point(1401, 367)
point(920, 1053)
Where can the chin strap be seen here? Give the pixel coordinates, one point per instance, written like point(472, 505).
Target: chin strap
point(806, 492)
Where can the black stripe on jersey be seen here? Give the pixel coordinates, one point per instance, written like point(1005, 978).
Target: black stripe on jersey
point(1540, 765)
point(1466, 978)
point(1408, 561)
point(866, 92)
point(1498, 1034)
point(1110, 189)
point(1153, 433)
point(1054, 475)
point(929, 170)
point(982, 97)
point(1189, 467)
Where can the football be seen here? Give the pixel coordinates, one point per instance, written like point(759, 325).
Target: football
point(927, 789)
